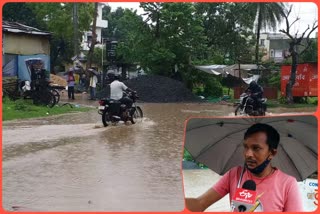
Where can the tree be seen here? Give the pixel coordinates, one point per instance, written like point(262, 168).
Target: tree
point(227, 29)
point(57, 18)
point(94, 36)
point(114, 31)
point(267, 15)
point(294, 44)
point(25, 15)
point(311, 54)
point(168, 39)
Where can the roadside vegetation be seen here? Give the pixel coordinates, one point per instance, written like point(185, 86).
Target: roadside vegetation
point(23, 109)
point(188, 157)
point(208, 33)
point(299, 103)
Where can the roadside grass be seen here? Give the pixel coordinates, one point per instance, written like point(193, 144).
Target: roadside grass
point(23, 109)
point(278, 103)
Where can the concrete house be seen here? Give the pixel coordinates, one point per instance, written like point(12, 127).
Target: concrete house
point(275, 46)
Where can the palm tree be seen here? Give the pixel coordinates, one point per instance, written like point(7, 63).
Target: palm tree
point(267, 15)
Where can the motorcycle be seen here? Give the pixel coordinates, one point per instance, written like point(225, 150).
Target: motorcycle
point(113, 111)
point(248, 106)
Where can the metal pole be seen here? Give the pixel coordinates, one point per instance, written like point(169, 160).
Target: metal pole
point(75, 28)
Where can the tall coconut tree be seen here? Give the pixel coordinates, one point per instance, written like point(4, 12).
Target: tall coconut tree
point(267, 15)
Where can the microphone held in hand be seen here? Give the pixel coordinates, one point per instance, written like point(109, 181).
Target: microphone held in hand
point(245, 197)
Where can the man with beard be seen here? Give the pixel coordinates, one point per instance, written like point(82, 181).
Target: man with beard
point(280, 192)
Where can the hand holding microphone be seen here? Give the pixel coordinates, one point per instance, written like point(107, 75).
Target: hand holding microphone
point(245, 198)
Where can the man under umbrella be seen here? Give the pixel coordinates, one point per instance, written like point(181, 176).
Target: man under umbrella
point(93, 83)
point(279, 192)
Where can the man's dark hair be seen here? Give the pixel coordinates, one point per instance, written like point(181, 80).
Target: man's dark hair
point(273, 136)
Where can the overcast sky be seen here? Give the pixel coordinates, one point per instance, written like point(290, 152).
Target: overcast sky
point(307, 12)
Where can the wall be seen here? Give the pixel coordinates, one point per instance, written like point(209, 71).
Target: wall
point(24, 44)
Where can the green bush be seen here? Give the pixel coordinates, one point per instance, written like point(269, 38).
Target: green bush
point(313, 100)
point(212, 88)
point(283, 100)
point(275, 80)
point(187, 156)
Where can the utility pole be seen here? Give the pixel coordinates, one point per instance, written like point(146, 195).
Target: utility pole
point(75, 28)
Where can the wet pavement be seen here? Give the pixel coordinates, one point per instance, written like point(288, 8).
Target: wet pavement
point(72, 163)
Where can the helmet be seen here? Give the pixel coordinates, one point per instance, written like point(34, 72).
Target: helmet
point(116, 76)
point(110, 75)
point(113, 76)
point(253, 84)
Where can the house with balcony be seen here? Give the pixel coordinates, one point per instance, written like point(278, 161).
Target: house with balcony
point(101, 24)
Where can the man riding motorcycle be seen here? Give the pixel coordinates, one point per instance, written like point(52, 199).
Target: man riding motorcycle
point(116, 91)
point(256, 92)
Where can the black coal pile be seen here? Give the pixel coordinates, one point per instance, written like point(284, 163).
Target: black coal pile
point(160, 89)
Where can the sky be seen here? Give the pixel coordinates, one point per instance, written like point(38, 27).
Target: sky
point(306, 11)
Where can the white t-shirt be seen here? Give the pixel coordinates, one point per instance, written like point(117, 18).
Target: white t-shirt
point(93, 81)
point(116, 90)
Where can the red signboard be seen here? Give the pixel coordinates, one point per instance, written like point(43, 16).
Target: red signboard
point(313, 85)
point(306, 80)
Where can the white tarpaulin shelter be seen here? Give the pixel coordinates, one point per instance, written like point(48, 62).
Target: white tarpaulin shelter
point(236, 70)
point(212, 69)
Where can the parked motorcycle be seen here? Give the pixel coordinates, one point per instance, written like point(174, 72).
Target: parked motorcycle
point(113, 111)
point(248, 106)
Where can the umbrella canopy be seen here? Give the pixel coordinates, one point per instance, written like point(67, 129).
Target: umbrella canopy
point(93, 71)
point(217, 143)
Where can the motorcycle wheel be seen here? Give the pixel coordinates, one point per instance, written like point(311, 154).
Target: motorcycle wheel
point(137, 115)
point(56, 95)
point(237, 110)
point(44, 97)
point(106, 118)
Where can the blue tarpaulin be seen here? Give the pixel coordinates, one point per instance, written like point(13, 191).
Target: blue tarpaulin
point(24, 62)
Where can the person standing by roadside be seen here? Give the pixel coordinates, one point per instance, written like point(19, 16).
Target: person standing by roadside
point(70, 81)
point(93, 84)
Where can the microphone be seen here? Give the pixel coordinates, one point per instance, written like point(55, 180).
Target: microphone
point(245, 197)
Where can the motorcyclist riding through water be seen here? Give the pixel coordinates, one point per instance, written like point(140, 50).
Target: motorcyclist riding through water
point(256, 92)
point(116, 91)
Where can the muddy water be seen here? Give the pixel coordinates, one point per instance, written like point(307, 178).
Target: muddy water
point(72, 163)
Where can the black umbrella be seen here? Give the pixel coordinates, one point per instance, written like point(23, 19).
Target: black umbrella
point(217, 142)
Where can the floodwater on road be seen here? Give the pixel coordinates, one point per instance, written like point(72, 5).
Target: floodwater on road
point(72, 163)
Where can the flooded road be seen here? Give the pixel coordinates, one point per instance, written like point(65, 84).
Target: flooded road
point(72, 163)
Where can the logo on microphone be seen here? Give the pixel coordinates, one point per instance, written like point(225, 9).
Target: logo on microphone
point(246, 194)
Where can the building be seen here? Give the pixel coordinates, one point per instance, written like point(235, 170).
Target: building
point(275, 46)
point(87, 36)
point(23, 44)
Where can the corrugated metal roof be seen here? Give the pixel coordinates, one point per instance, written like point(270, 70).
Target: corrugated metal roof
point(16, 27)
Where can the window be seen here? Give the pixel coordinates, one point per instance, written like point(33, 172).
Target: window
point(271, 53)
point(89, 39)
point(262, 42)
